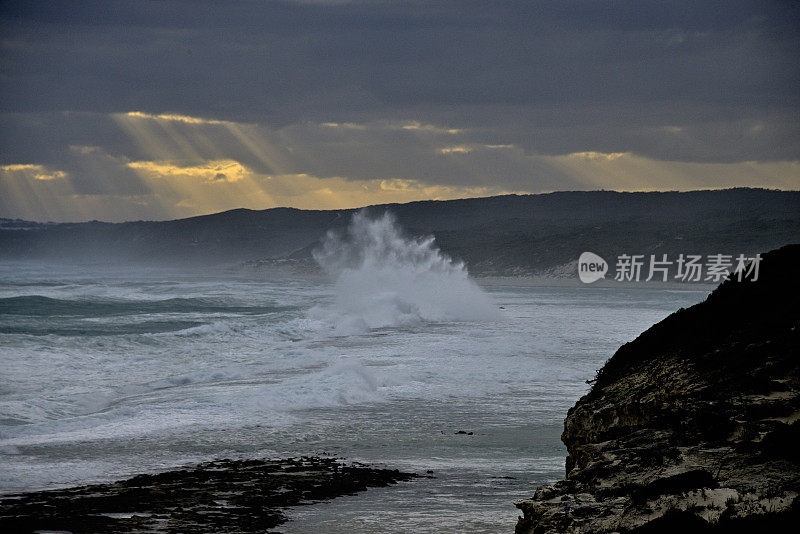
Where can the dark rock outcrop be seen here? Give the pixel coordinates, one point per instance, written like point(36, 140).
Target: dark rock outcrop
point(221, 496)
point(694, 425)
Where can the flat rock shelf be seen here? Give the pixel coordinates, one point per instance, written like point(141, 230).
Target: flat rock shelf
point(219, 496)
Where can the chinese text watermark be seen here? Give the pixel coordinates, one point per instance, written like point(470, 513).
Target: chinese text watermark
point(659, 267)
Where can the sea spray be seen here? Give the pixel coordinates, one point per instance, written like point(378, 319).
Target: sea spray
point(386, 279)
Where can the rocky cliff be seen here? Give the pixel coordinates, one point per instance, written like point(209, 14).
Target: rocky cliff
point(695, 425)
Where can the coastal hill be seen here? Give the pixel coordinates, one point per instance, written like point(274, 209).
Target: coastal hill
point(503, 235)
point(694, 425)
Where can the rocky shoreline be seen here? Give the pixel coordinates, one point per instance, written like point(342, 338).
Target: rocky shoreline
point(220, 496)
point(695, 425)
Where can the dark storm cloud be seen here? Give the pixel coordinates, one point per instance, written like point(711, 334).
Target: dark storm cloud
point(360, 99)
point(282, 62)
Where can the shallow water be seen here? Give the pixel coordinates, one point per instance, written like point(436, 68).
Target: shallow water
point(106, 374)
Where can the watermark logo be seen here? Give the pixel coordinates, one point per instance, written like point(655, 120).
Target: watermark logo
point(712, 268)
point(591, 267)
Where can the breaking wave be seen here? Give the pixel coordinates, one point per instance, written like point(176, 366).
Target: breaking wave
point(386, 279)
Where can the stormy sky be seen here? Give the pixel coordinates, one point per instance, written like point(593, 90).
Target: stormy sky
point(156, 110)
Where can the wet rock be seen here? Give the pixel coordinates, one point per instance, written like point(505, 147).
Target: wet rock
point(222, 496)
point(694, 425)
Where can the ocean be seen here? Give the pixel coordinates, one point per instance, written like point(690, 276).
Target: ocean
point(396, 358)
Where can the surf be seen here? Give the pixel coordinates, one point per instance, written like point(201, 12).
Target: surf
point(384, 278)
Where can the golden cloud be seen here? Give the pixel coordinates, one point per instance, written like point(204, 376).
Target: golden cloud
point(408, 126)
point(598, 156)
point(631, 172)
point(38, 172)
point(171, 117)
point(420, 191)
point(429, 128)
point(226, 170)
point(466, 149)
point(344, 125)
point(461, 149)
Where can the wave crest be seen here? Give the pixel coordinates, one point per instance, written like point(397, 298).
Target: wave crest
point(384, 278)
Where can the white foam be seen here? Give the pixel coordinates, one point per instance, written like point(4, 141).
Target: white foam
point(76, 409)
point(385, 279)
